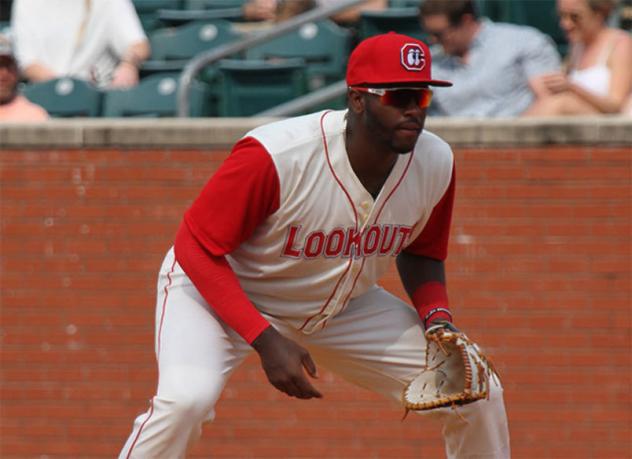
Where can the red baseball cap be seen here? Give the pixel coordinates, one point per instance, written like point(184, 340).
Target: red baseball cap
point(391, 59)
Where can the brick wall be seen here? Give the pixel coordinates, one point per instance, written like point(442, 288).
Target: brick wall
point(539, 272)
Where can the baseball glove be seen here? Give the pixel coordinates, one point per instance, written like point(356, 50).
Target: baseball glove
point(456, 372)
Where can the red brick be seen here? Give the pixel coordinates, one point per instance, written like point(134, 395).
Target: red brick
point(538, 273)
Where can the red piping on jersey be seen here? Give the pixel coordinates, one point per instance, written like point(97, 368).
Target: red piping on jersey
point(162, 317)
point(355, 216)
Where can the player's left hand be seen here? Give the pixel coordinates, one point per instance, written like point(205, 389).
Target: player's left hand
point(125, 75)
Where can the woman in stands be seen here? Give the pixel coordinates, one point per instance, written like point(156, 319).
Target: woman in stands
point(598, 76)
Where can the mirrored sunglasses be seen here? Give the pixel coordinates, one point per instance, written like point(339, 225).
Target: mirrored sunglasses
point(401, 97)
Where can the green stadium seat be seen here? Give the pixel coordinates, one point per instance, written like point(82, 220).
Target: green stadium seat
point(404, 3)
point(151, 6)
point(156, 96)
point(179, 17)
point(173, 47)
point(186, 41)
point(401, 20)
point(247, 87)
point(212, 4)
point(152, 67)
point(323, 45)
point(147, 11)
point(66, 97)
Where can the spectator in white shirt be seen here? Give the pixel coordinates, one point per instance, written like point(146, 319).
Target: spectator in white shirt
point(101, 41)
point(598, 77)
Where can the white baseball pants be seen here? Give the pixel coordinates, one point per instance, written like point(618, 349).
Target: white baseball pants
point(377, 342)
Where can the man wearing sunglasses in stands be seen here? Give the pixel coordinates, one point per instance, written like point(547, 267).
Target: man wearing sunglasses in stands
point(281, 253)
point(494, 66)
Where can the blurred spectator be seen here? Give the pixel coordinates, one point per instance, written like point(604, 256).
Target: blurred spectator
point(101, 41)
point(275, 10)
point(493, 65)
point(350, 16)
point(625, 15)
point(263, 14)
point(14, 106)
point(260, 10)
point(288, 9)
point(598, 76)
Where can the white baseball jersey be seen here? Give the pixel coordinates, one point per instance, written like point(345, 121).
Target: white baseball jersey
point(298, 228)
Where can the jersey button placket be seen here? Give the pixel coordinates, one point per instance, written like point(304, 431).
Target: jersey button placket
point(365, 211)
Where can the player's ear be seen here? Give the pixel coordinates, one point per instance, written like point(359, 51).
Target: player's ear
point(355, 101)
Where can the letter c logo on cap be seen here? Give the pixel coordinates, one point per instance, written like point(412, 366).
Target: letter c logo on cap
point(413, 57)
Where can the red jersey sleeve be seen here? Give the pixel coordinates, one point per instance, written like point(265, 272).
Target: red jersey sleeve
point(239, 196)
point(432, 242)
point(219, 286)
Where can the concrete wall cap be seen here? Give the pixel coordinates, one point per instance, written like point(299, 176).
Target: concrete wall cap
point(223, 132)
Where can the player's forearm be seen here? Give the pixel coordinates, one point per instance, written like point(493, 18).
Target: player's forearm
point(424, 281)
point(416, 270)
point(218, 284)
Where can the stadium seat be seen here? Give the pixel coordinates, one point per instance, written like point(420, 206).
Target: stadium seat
point(323, 45)
point(147, 11)
point(186, 41)
point(212, 4)
point(179, 17)
point(404, 3)
point(152, 67)
point(66, 97)
point(401, 20)
point(173, 47)
point(156, 96)
point(151, 6)
point(247, 87)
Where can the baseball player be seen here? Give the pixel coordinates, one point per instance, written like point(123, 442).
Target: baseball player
point(281, 252)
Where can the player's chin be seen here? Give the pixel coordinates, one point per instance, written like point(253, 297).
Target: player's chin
point(404, 140)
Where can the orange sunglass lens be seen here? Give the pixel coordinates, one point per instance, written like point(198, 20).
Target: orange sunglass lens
point(402, 97)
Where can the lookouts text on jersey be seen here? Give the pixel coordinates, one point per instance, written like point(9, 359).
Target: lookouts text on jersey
point(302, 233)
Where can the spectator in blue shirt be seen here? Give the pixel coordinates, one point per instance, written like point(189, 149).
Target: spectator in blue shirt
point(494, 66)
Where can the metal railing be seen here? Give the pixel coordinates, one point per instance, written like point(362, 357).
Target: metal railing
point(195, 65)
point(302, 103)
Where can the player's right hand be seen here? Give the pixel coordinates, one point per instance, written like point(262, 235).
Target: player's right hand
point(283, 361)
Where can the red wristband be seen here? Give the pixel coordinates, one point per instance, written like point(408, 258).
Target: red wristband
point(431, 302)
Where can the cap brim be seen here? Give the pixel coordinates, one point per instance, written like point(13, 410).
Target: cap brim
point(406, 84)
point(441, 83)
